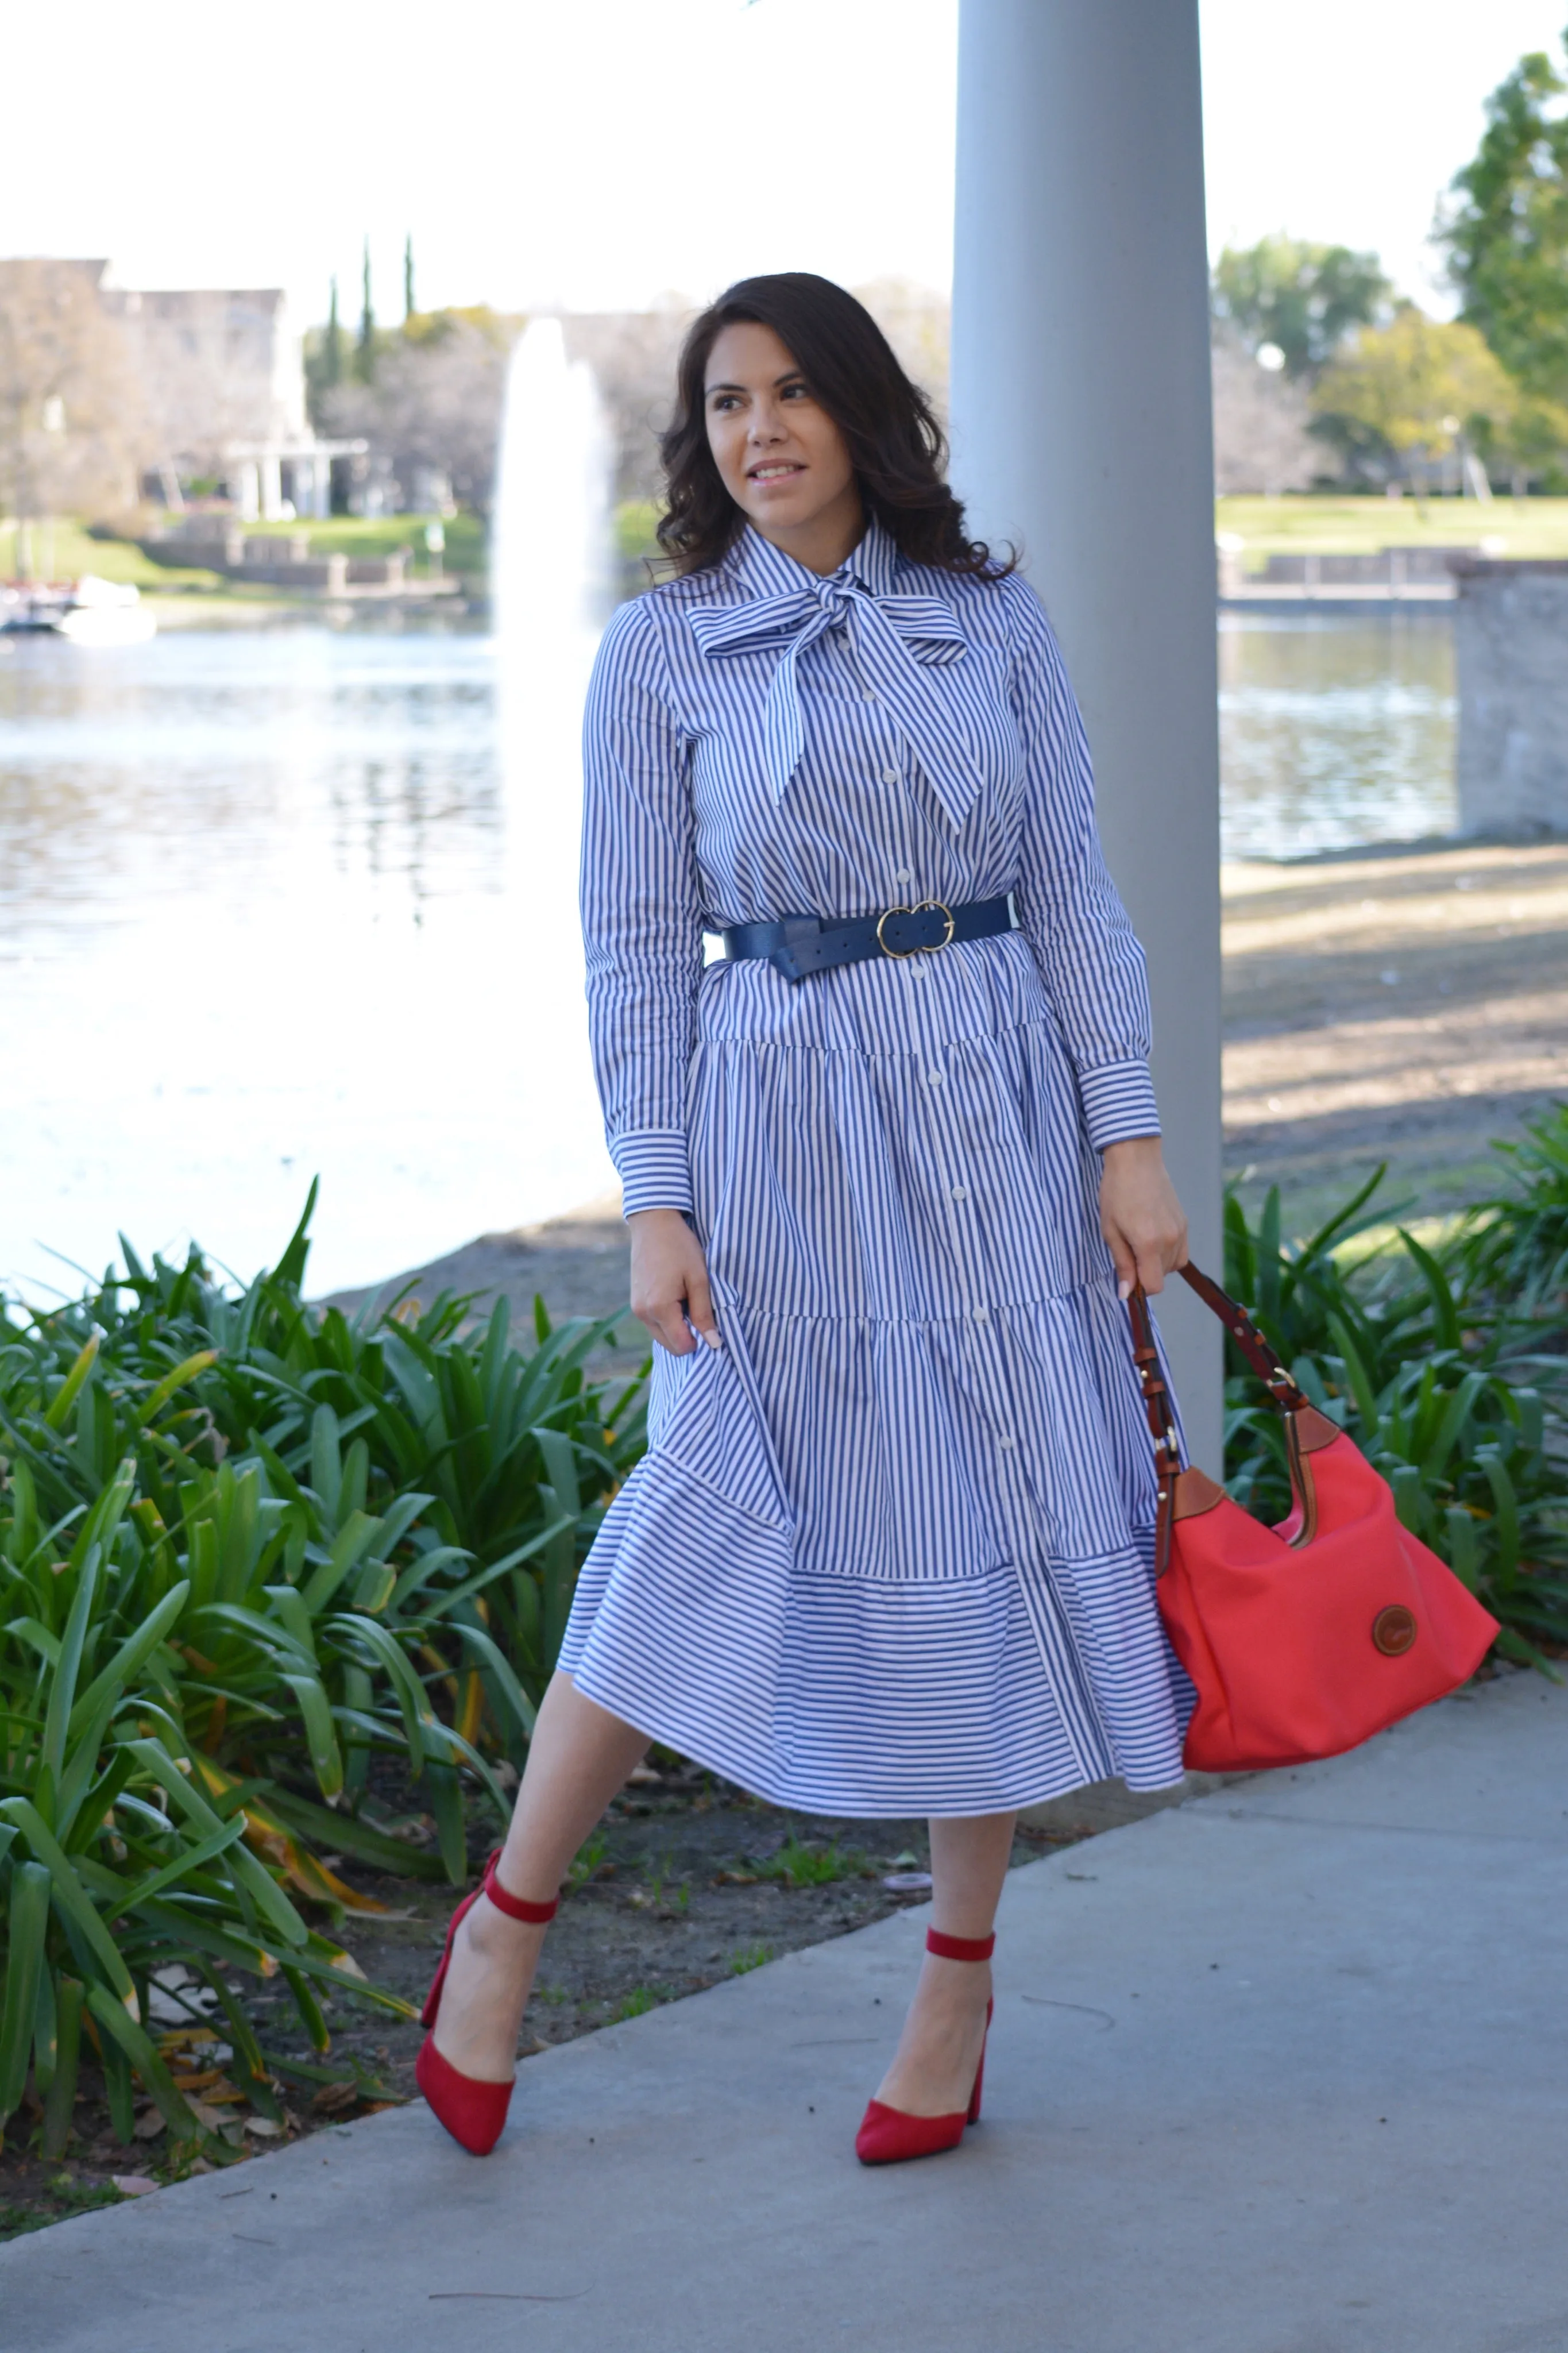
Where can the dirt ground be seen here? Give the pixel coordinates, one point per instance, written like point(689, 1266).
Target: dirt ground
point(1406, 1006)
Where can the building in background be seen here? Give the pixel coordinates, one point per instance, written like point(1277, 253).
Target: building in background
point(222, 377)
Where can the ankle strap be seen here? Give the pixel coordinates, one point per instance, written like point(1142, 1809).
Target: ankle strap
point(960, 1948)
point(515, 1906)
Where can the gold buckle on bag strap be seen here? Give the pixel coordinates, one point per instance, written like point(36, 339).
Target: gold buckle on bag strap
point(921, 947)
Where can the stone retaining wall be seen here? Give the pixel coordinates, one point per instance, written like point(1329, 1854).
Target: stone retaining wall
point(1511, 643)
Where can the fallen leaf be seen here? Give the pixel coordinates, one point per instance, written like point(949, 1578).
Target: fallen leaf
point(332, 2099)
point(148, 2126)
point(209, 2119)
point(132, 2185)
point(263, 2127)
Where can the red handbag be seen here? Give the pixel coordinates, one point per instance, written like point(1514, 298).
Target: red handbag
point(1305, 1638)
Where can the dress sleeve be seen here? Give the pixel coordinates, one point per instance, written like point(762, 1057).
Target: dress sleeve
point(1067, 902)
point(641, 909)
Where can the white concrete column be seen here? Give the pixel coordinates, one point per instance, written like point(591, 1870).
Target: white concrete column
point(246, 478)
point(271, 488)
point(1082, 430)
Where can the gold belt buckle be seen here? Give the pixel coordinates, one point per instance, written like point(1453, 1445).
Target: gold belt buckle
point(918, 949)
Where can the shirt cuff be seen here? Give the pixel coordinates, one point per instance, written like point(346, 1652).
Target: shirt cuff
point(1118, 1103)
point(653, 1170)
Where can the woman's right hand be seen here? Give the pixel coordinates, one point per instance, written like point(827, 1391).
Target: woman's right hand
point(669, 1274)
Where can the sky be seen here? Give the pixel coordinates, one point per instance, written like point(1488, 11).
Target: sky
point(602, 154)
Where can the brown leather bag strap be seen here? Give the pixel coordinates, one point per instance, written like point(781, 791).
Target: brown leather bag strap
point(1162, 1422)
point(1157, 1403)
point(1247, 1338)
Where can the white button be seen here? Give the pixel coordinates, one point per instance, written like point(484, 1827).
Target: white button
point(1005, 1437)
point(915, 968)
point(982, 1314)
point(889, 775)
point(960, 1192)
point(901, 874)
point(934, 1078)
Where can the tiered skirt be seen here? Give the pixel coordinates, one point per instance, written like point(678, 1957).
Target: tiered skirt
point(888, 1552)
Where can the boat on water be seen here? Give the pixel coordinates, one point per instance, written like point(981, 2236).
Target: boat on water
point(89, 611)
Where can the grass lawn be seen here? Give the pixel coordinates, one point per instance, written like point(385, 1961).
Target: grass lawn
point(467, 540)
point(1351, 526)
point(63, 551)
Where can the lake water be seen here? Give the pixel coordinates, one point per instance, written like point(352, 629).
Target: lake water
point(293, 900)
point(1335, 729)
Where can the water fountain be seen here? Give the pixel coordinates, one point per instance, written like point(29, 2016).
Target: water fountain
point(553, 586)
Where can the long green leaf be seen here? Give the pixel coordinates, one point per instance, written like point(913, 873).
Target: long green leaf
point(447, 1602)
point(506, 1682)
point(70, 1899)
point(259, 1882)
point(204, 1359)
point(61, 2100)
point(29, 1919)
point(132, 1654)
point(62, 1692)
point(137, 2048)
point(352, 1541)
point(1506, 1505)
point(326, 1758)
point(66, 1395)
point(1445, 1326)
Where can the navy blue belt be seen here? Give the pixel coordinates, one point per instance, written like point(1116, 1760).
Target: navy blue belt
point(796, 945)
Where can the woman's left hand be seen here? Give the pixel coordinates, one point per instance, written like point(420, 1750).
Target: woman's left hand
point(1140, 1215)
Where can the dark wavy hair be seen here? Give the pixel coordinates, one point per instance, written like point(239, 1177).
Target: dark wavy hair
point(896, 446)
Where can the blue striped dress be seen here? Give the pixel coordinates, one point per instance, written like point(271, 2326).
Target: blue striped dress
point(888, 1552)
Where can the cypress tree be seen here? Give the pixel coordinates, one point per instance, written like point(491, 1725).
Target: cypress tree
point(366, 356)
point(407, 278)
point(333, 345)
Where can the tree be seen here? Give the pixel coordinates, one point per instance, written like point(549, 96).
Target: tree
point(1261, 424)
point(1530, 448)
point(323, 354)
point(364, 355)
point(74, 431)
point(407, 278)
point(1506, 233)
point(1304, 299)
point(437, 399)
point(1408, 392)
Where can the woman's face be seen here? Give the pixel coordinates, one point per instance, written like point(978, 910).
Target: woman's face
point(780, 456)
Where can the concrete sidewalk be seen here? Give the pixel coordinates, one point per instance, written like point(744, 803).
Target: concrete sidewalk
point(1282, 2071)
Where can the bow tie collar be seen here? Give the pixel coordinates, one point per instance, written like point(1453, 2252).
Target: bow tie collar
point(897, 639)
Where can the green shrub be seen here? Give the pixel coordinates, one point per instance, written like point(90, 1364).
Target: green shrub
point(1456, 1397)
point(246, 1548)
point(1516, 1245)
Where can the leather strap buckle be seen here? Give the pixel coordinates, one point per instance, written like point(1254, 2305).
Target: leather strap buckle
point(921, 947)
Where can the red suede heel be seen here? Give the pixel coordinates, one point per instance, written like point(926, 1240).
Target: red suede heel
point(472, 2110)
point(888, 2136)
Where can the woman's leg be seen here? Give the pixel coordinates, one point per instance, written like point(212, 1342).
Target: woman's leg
point(579, 1757)
point(933, 2072)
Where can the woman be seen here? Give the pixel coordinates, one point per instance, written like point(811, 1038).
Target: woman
point(889, 1178)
